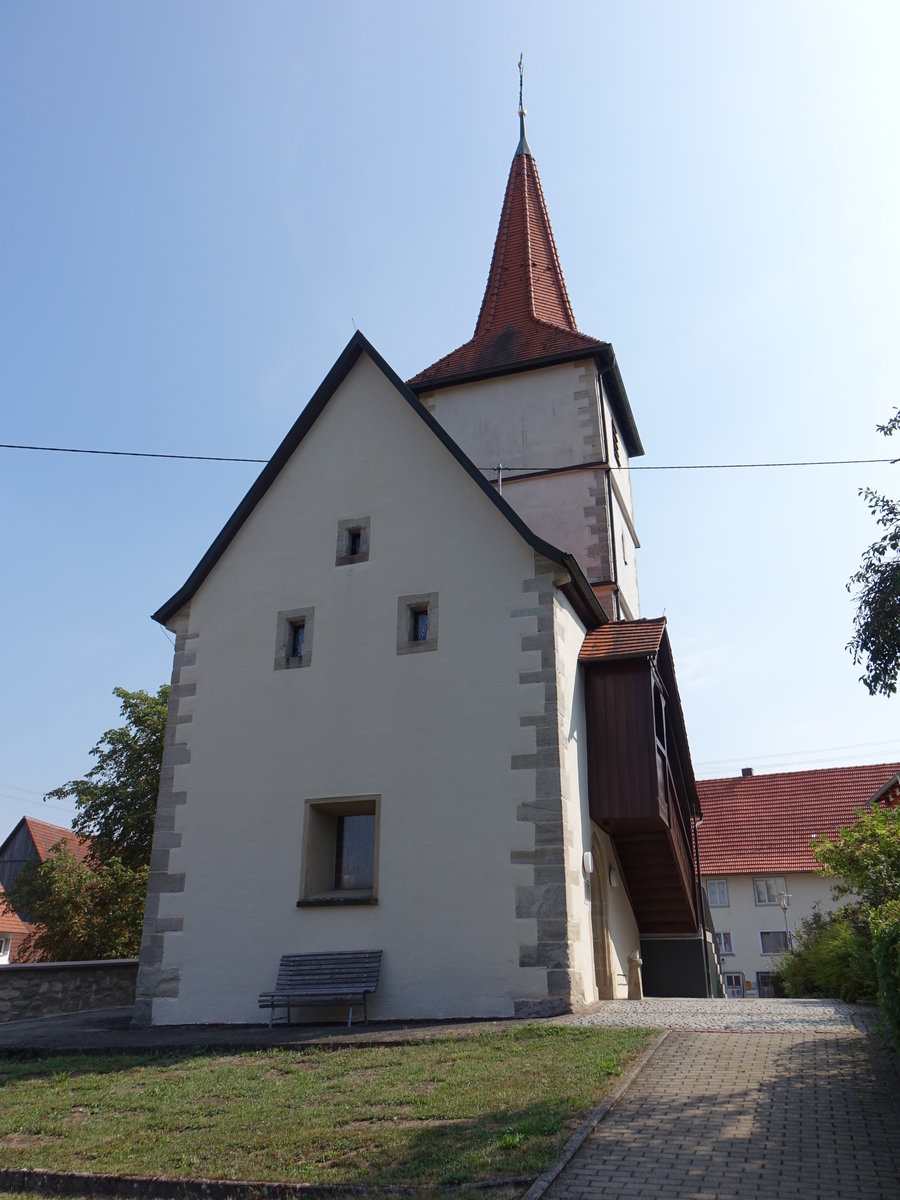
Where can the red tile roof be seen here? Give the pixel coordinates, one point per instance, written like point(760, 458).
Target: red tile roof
point(12, 926)
point(525, 316)
point(766, 822)
point(623, 639)
point(45, 836)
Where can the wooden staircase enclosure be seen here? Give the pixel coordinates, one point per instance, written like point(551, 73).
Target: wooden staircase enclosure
point(642, 791)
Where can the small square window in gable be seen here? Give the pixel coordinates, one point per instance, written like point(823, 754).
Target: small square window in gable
point(417, 623)
point(352, 541)
point(294, 638)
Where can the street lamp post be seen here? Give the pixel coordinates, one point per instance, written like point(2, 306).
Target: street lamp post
point(784, 901)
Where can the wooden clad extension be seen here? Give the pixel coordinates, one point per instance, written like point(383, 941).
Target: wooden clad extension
point(641, 785)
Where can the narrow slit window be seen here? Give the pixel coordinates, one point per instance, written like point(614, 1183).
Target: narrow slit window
point(354, 542)
point(298, 633)
point(419, 624)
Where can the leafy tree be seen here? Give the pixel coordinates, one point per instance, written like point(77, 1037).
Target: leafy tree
point(865, 857)
point(78, 912)
point(876, 589)
point(831, 956)
point(117, 800)
point(95, 909)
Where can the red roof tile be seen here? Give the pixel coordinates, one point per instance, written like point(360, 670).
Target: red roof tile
point(765, 823)
point(45, 836)
point(623, 639)
point(525, 316)
point(12, 926)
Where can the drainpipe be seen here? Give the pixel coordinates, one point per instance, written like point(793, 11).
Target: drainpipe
point(610, 532)
point(694, 823)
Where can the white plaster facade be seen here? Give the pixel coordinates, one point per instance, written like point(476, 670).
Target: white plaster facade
point(744, 920)
point(546, 420)
point(472, 754)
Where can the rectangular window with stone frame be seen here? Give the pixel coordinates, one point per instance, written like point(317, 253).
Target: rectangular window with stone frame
point(353, 537)
point(417, 623)
point(340, 851)
point(294, 638)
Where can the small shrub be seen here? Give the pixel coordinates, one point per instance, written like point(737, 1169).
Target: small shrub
point(831, 957)
point(885, 924)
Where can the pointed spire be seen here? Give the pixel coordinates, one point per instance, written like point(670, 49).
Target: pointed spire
point(526, 317)
point(523, 147)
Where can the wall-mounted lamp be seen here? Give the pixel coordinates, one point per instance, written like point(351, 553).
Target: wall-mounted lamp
point(587, 862)
point(613, 877)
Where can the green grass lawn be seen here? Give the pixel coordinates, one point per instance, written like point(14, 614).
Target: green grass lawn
point(444, 1111)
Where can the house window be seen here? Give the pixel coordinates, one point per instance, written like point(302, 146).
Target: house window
point(723, 941)
point(352, 541)
point(340, 851)
point(773, 941)
point(768, 889)
point(293, 638)
point(717, 893)
point(5, 943)
point(417, 623)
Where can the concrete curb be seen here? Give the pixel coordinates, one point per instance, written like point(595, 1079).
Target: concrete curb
point(581, 1134)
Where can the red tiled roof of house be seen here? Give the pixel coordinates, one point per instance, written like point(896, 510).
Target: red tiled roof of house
point(45, 836)
point(623, 639)
point(12, 926)
point(766, 822)
point(525, 316)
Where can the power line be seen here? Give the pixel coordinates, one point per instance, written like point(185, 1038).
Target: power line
point(748, 758)
point(728, 466)
point(131, 453)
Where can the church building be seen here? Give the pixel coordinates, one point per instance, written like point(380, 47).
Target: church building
point(414, 708)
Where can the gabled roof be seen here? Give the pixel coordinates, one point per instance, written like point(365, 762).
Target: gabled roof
point(623, 639)
point(573, 583)
point(765, 823)
point(45, 836)
point(526, 318)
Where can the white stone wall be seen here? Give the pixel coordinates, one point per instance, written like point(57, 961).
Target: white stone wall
point(432, 734)
point(544, 419)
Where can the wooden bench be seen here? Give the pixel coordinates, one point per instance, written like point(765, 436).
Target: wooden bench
point(345, 977)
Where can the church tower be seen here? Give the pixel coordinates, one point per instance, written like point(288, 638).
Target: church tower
point(540, 407)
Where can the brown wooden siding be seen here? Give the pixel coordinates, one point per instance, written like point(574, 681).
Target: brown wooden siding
point(650, 828)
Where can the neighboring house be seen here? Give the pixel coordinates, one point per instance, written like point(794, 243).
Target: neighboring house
point(30, 841)
point(400, 718)
point(13, 931)
point(758, 867)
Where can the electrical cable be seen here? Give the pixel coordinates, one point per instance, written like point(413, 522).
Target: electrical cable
point(730, 466)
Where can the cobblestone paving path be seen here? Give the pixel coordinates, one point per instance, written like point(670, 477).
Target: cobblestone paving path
point(748, 1015)
point(813, 1115)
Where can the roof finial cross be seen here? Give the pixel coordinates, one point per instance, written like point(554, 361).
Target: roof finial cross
point(523, 147)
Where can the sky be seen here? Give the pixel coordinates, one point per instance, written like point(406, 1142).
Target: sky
point(202, 200)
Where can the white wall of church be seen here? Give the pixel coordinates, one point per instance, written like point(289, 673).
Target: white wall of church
point(568, 637)
point(432, 733)
point(535, 420)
